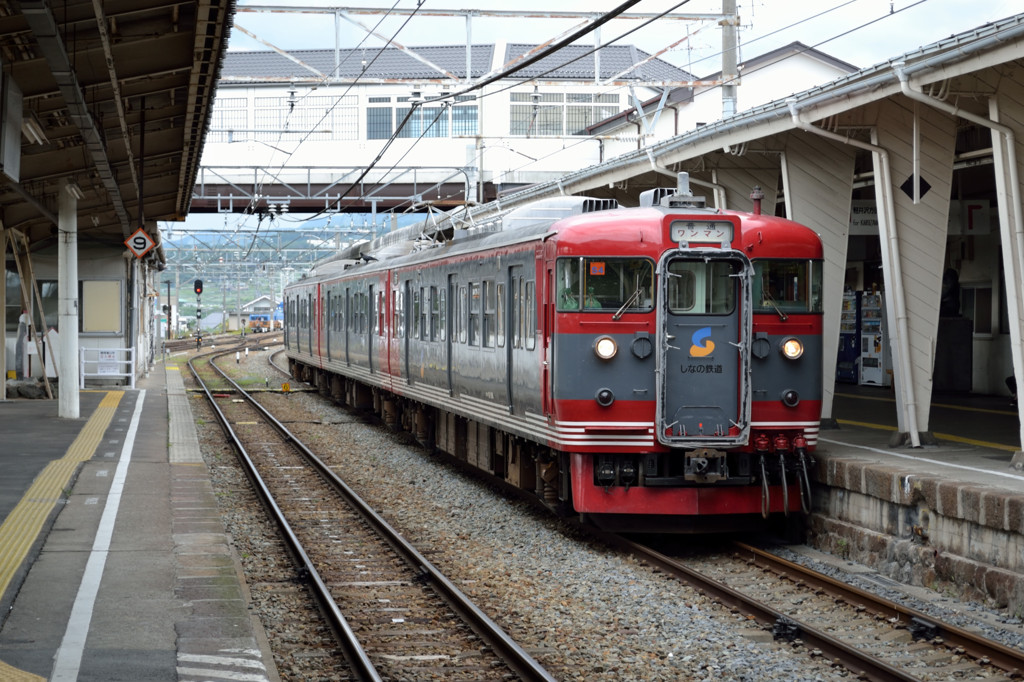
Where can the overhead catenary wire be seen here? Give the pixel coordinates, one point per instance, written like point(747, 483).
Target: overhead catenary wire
point(537, 57)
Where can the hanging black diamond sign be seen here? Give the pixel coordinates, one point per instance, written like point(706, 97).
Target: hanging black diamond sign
point(908, 186)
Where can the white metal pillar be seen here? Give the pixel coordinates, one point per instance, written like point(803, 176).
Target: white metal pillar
point(1007, 155)
point(67, 299)
point(3, 327)
point(817, 175)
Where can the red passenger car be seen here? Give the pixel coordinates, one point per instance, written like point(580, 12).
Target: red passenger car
point(652, 368)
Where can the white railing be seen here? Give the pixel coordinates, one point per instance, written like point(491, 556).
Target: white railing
point(106, 363)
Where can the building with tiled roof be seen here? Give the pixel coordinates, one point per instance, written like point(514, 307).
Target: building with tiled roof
point(412, 114)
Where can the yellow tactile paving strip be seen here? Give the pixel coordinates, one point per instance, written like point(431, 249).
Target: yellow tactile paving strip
point(26, 520)
point(9, 674)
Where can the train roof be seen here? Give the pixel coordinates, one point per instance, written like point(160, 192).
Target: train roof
point(581, 220)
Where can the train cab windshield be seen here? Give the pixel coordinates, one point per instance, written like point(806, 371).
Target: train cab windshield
point(787, 286)
point(616, 285)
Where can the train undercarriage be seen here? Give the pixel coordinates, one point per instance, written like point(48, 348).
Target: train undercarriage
point(713, 491)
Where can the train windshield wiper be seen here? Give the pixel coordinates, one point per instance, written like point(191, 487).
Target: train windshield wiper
point(628, 304)
point(771, 301)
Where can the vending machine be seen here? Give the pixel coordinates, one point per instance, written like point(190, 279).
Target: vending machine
point(875, 358)
point(848, 362)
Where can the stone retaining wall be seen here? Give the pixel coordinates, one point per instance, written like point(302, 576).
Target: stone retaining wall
point(966, 540)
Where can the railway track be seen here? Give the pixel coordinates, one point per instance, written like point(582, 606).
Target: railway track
point(872, 637)
point(394, 614)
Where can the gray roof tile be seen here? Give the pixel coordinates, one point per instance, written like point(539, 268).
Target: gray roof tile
point(568, 63)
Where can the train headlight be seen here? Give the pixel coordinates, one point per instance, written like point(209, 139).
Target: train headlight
point(606, 348)
point(792, 347)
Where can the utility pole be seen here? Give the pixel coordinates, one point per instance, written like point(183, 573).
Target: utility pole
point(730, 57)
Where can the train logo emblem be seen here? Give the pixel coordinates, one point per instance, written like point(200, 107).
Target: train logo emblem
point(702, 346)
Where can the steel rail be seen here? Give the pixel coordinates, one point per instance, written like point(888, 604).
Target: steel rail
point(860, 663)
point(1004, 657)
point(358, 659)
point(524, 665)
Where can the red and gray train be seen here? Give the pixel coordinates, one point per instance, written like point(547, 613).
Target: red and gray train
point(656, 368)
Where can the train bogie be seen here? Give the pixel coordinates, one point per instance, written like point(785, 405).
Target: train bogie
point(649, 368)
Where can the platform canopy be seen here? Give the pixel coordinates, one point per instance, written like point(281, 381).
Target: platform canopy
point(112, 97)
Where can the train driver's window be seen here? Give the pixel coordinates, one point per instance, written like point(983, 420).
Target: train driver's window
point(567, 275)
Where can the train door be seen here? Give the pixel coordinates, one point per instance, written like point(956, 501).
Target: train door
point(704, 322)
point(371, 317)
point(329, 325)
point(545, 305)
point(407, 308)
point(347, 327)
point(310, 322)
point(449, 314)
point(515, 275)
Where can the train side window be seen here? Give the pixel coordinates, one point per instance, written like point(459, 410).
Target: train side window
point(394, 313)
point(424, 313)
point(400, 314)
point(517, 308)
point(531, 316)
point(367, 311)
point(442, 309)
point(432, 293)
point(416, 294)
point(489, 315)
point(463, 314)
point(381, 313)
point(500, 314)
point(353, 318)
point(474, 313)
point(371, 311)
point(356, 300)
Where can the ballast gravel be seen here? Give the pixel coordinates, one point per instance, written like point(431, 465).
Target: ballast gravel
point(585, 611)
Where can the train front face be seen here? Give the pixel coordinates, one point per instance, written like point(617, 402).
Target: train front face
point(696, 406)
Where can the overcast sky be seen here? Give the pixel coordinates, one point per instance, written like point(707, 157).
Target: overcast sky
point(861, 32)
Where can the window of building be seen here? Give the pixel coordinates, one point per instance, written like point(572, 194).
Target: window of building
point(976, 305)
point(465, 118)
point(378, 123)
point(229, 114)
point(555, 113)
point(422, 121)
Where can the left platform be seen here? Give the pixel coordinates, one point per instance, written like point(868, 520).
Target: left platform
point(114, 561)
